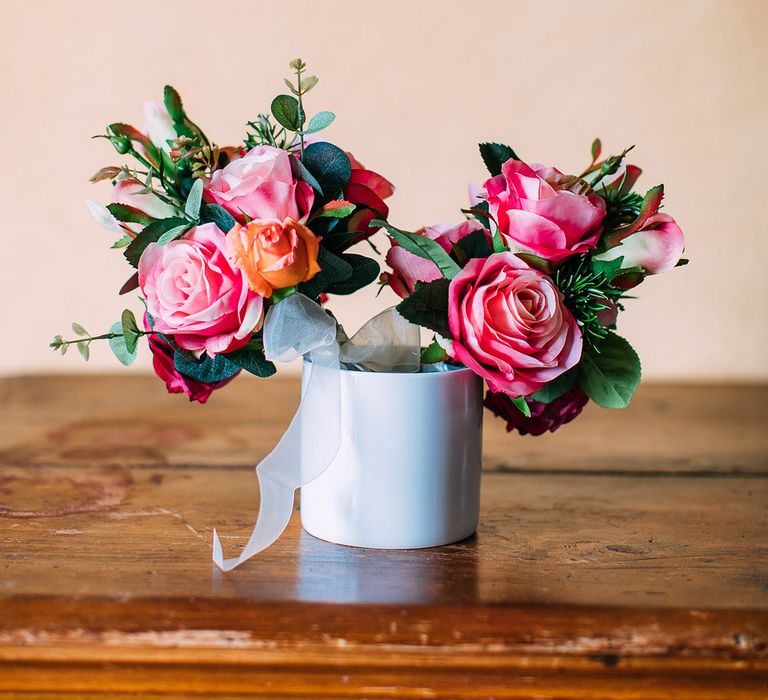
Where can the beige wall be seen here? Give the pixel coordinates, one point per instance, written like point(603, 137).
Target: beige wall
point(415, 86)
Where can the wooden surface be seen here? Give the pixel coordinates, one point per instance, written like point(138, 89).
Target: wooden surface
point(625, 556)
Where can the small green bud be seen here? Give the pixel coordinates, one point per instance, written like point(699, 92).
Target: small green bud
point(122, 144)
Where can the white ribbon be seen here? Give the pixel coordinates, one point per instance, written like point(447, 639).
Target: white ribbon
point(296, 327)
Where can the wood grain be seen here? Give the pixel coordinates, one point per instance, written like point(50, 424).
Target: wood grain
point(643, 574)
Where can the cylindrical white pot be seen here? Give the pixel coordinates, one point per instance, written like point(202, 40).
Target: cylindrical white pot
point(408, 470)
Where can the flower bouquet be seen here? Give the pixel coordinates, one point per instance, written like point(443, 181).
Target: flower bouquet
point(526, 292)
point(219, 234)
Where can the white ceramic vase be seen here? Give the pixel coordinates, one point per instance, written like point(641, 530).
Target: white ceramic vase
point(407, 473)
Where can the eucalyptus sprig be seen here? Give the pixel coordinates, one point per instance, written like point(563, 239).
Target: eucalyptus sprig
point(123, 338)
point(289, 111)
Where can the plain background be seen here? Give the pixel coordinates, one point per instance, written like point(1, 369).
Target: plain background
point(415, 86)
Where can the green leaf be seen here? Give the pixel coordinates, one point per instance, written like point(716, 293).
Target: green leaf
point(129, 215)
point(498, 242)
point(336, 209)
point(130, 330)
point(208, 370)
point(557, 387)
point(299, 171)
point(148, 235)
point(364, 271)
point(597, 147)
point(536, 262)
point(427, 306)
point(495, 155)
point(423, 247)
point(329, 165)
point(521, 405)
point(307, 83)
point(122, 242)
point(194, 200)
point(650, 205)
point(280, 294)
point(475, 245)
point(82, 348)
point(611, 373)
point(319, 122)
point(291, 86)
point(173, 104)
point(333, 269)
point(434, 352)
point(173, 234)
point(251, 359)
point(77, 329)
point(118, 346)
point(285, 109)
point(215, 213)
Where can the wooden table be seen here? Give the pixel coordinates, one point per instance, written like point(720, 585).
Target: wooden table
point(624, 557)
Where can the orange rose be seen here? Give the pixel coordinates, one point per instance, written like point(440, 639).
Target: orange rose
point(274, 255)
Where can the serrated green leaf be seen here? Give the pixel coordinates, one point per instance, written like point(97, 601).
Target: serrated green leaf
point(320, 121)
point(427, 306)
point(610, 373)
point(173, 104)
point(474, 245)
point(129, 215)
point(148, 235)
point(122, 242)
point(77, 329)
point(118, 346)
point(521, 405)
point(194, 200)
point(423, 247)
point(336, 209)
point(434, 352)
point(285, 110)
point(557, 387)
point(495, 155)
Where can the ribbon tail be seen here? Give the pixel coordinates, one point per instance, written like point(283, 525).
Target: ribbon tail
point(291, 464)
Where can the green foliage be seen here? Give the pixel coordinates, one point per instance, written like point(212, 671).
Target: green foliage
point(285, 110)
point(610, 372)
point(521, 405)
point(300, 172)
point(117, 342)
point(333, 270)
point(329, 166)
point(495, 155)
point(335, 209)
point(150, 234)
point(557, 387)
point(586, 292)
point(266, 133)
point(536, 262)
point(130, 330)
point(473, 245)
point(423, 247)
point(251, 359)
point(173, 234)
point(364, 271)
point(208, 370)
point(434, 352)
point(173, 104)
point(214, 213)
point(427, 306)
point(129, 215)
point(194, 200)
point(320, 121)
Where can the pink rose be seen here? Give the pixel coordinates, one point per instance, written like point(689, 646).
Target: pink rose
point(195, 293)
point(409, 268)
point(175, 382)
point(510, 325)
point(656, 247)
point(260, 185)
point(127, 191)
point(536, 213)
point(367, 189)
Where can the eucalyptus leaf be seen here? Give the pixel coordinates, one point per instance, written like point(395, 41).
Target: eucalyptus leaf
point(130, 330)
point(610, 373)
point(251, 359)
point(82, 348)
point(77, 329)
point(329, 165)
point(364, 271)
point(285, 109)
point(194, 200)
point(118, 346)
point(320, 121)
point(307, 83)
point(423, 247)
point(299, 171)
point(208, 370)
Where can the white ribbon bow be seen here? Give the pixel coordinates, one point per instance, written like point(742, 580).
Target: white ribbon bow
point(296, 327)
